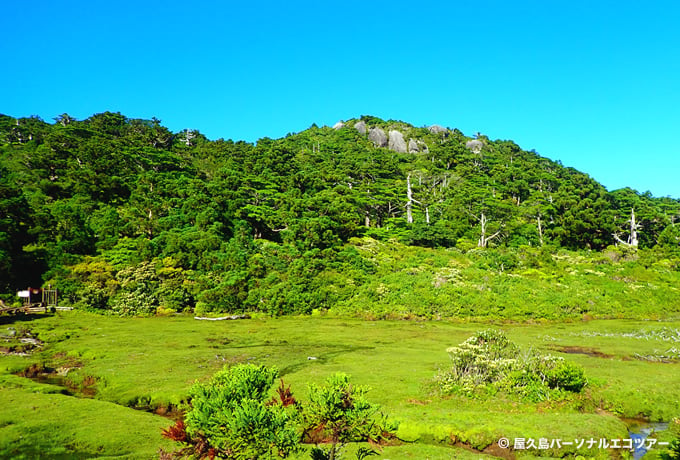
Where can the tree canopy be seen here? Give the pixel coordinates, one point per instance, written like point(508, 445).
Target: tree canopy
point(125, 215)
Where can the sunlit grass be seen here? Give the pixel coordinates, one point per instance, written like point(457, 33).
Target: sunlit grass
point(151, 362)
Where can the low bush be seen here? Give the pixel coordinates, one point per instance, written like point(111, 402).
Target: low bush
point(232, 416)
point(339, 413)
point(673, 451)
point(488, 362)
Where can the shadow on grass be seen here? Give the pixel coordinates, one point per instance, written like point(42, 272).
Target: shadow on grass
point(46, 452)
point(322, 358)
point(11, 319)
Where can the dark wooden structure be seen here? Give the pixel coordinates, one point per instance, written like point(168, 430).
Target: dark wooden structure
point(34, 300)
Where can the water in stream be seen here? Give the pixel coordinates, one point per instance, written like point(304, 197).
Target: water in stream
point(639, 431)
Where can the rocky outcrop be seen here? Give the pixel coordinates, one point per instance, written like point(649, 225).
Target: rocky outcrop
point(339, 125)
point(415, 146)
point(397, 142)
point(378, 137)
point(436, 129)
point(474, 145)
point(361, 127)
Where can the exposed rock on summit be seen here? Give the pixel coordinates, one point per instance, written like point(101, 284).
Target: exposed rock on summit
point(474, 145)
point(415, 146)
point(378, 137)
point(339, 125)
point(436, 129)
point(360, 126)
point(397, 142)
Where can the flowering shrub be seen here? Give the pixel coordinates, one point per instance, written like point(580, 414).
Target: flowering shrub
point(489, 361)
point(484, 358)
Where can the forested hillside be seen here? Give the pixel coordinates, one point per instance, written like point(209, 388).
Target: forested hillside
point(123, 215)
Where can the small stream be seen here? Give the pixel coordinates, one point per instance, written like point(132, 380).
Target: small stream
point(87, 389)
point(639, 431)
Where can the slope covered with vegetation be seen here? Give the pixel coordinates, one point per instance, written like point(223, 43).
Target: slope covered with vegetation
point(370, 216)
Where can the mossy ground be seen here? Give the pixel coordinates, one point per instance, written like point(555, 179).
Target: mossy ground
point(150, 363)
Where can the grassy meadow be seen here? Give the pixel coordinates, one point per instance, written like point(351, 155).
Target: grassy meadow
point(122, 377)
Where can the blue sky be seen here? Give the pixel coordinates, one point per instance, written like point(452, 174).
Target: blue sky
point(594, 84)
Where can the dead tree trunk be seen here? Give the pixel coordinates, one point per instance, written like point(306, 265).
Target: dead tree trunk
point(633, 234)
point(189, 134)
point(483, 239)
point(633, 238)
point(409, 200)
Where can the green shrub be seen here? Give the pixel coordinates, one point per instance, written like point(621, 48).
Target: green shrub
point(339, 413)
point(484, 358)
point(231, 417)
point(137, 293)
point(563, 374)
point(528, 385)
point(488, 362)
point(673, 451)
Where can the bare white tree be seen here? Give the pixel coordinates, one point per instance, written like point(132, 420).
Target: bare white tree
point(409, 200)
point(483, 241)
point(187, 136)
point(633, 234)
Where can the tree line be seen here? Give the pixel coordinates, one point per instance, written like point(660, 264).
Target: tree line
point(126, 216)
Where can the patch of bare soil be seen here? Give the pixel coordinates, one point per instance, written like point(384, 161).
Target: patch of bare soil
point(572, 349)
point(58, 376)
point(169, 411)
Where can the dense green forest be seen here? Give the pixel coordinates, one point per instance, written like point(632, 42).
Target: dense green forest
point(124, 216)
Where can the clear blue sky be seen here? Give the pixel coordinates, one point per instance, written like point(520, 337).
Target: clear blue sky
point(593, 83)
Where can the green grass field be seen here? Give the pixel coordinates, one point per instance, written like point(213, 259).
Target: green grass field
point(120, 370)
